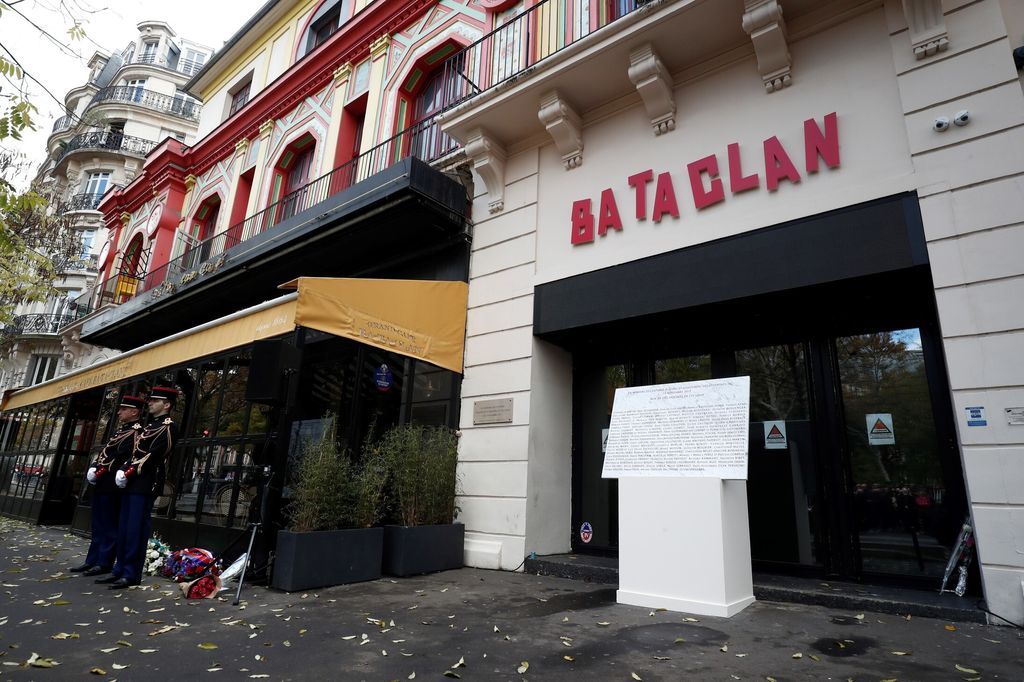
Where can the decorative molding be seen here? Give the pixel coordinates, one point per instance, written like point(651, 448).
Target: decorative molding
point(242, 146)
point(927, 25)
point(126, 218)
point(379, 47)
point(343, 73)
point(654, 84)
point(190, 182)
point(488, 157)
point(267, 127)
point(763, 22)
point(564, 126)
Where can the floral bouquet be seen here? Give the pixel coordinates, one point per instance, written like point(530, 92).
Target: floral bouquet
point(185, 565)
point(157, 552)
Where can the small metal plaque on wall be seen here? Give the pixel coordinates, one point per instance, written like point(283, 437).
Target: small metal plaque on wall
point(497, 411)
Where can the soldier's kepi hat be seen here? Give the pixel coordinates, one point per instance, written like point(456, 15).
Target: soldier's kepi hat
point(163, 393)
point(138, 402)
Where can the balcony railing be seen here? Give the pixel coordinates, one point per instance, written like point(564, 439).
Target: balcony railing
point(176, 106)
point(36, 323)
point(82, 202)
point(524, 41)
point(423, 140)
point(109, 141)
point(62, 123)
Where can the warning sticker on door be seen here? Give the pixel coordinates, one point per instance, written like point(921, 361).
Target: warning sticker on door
point(586, 532)
point(775, 435)
point(880, 431)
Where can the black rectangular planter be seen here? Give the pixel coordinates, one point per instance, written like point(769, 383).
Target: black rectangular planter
point(326, 557)
point(412, 550)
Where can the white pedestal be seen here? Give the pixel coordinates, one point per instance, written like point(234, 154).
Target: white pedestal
point(684, 545)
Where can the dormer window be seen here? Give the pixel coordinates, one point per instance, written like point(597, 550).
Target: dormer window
point(148, 55)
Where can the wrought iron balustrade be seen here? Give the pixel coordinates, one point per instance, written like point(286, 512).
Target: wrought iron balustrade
point(423, 140)
point(82, 202)
point(109, 141)
point(37, 323)
point(133, 94)
point(524, 41)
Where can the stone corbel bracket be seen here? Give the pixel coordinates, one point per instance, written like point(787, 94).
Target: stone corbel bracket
point(488, 157)
point(763, 23)
point(927, 25)
point(652, 81)
point(564, 126)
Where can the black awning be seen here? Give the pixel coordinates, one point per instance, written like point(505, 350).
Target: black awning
point(407, 221)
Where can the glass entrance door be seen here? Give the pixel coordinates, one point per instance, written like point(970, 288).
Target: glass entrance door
point(782, 470)
point(901, 518)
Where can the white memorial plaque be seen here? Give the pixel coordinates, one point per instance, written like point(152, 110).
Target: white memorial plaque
point(694, 428)
point(492, 411)
point(1015, 415)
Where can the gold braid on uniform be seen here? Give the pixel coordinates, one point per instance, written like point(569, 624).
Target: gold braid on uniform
point(105, 458)
point(138, 460)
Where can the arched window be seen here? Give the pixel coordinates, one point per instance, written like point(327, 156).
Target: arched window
point(133, 268)
point(325, 22)
point(432, 86)
point(203, 227)
point(292, 176)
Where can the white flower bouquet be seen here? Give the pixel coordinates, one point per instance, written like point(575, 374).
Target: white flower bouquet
point(156, 554)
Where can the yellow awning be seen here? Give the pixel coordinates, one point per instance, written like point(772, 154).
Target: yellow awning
point(419, 319)
point(416, 318)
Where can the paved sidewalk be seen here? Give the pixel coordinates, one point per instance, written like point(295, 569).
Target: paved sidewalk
point(467, 624)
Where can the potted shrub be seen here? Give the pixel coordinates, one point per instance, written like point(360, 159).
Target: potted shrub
point(334, 504)
point(422, 483)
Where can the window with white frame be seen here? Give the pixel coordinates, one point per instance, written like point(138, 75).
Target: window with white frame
point(97, 183)
point(87, 239)
point(44, 368)
point(192, 62)
point(148, 55)
point(135, 89)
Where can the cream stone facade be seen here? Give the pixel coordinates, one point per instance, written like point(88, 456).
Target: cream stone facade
point(888, 71)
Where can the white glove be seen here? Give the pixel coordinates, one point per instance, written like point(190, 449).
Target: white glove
point(91, 475)
point(121, 479)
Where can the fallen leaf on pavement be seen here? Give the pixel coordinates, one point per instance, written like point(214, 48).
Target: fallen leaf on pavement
point(460, 664)
point(207, 645)
point(98, 671)
point(636, 677)
point(965, 669)
point(523, 667)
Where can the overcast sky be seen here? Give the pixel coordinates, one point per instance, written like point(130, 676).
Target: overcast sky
point(109, 26)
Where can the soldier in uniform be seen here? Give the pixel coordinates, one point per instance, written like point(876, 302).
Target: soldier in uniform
point(142, 479)
point(106, 500)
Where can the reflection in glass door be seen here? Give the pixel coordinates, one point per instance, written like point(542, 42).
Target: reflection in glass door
point(896, 471)
point(782, 484)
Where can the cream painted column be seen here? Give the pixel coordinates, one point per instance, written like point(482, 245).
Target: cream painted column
point(186, 209)
point(259, 171)
point(341, 78)
point(375, 96)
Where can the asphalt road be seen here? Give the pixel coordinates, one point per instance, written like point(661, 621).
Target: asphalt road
point(467, 624)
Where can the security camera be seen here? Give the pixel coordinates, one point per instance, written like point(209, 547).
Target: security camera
point(962, 118)
point(941, 124)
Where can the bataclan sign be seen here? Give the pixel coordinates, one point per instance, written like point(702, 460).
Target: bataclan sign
point(706, 182)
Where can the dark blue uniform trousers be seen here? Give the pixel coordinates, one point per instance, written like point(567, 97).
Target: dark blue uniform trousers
point(106, 512)
point(133, 535)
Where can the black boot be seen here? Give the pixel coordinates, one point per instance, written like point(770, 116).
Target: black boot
point(106, 581)
point(98, 570)
point(80, 569)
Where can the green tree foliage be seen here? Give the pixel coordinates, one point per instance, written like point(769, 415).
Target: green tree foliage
point(35, 247)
